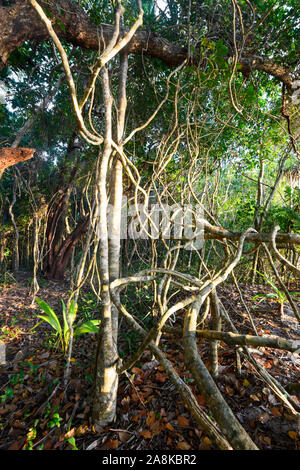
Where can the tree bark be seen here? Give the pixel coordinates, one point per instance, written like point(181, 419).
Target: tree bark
point(106, 375)
point(57, 212)
point(12, 156)
point(55, 229)
point(215, 325)
point(56, 270)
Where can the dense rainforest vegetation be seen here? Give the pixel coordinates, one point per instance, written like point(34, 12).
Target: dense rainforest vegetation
point(149, 224)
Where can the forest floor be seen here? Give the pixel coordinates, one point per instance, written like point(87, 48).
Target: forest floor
point(37, 413)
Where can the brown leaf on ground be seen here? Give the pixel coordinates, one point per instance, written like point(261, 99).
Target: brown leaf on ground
point(293, 435)
point(113, 443)
point(70, 433)
point(146, 434)
point(160, 377)
point(156, 427)
point(183, 421)
point(276, 412)
point(137, 370)
point(169, 427)
point(201, 400)
point(81, 430)
point(123, 436)
point(183, 445)
point(150, 418)
point(125, 402)
point(254, 398)
point(264, 418)
point(135, 418)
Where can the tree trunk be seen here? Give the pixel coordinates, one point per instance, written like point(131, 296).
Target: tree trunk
point(55, 229)
point(56, 220)
point(106, 375)
point(215, 325)
point(106, 386)
point(16, 256)
point(56, 270)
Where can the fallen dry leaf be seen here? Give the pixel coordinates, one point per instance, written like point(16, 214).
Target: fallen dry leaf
point(275, 412)
point(146, 434)
point(123, 436)
point(183, 445)
point(169, 427)
point(70, 433)
point(113, 443)
point(156, 427)
point(183, 421)
point(293, 435)
point(17, 445)
point(150, 418)
point(135, 418)
point(160, 377)
point(264, 418)
point(136, 370)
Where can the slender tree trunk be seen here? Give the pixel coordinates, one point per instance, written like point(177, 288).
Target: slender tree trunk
point(257, 215)
point(36, 253)
point(106, 379)
point(16, 258)
point(215, 325)
point(106, 375)
point(114, 241)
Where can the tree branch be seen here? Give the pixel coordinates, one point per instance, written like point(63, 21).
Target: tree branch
point(19, 23)
point(11, 156)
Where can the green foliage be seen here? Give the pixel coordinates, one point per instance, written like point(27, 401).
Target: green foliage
point(54, 421)
point(88, 305)
point(8, 393)
point(63, 331)
point(31, 435)
point(72, 442)
point(6, 279)
point(277, 294)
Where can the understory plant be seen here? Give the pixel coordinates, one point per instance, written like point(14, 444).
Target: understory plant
point(69, 315)
point(277, 295)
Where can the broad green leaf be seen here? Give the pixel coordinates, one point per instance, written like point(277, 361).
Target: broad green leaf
point(51, 322)
point(73, 311)
point(66, 326)
point(90, 326)
point(258, 296)
point(51, 316)
point(271, 296)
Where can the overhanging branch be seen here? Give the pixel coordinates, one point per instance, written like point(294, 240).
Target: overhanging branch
point(19, 23)
point(11, 156)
